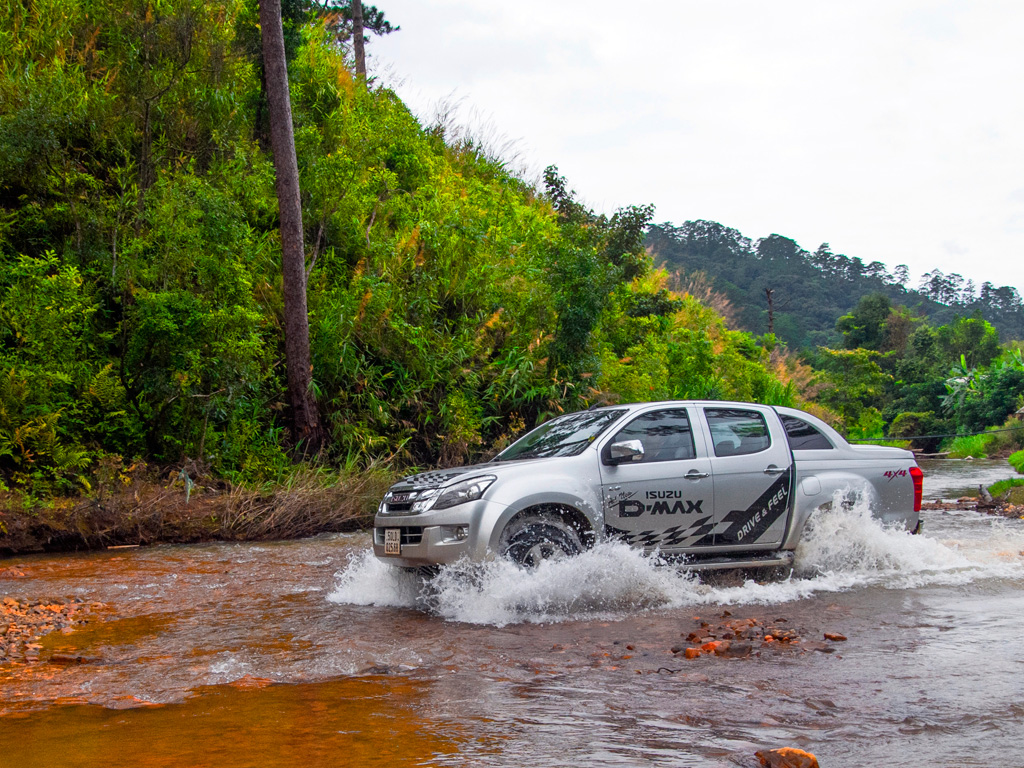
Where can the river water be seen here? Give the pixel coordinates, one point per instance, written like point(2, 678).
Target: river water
point(311, 653)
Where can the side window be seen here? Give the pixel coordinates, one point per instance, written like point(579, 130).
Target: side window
point(802, 436)
point(736, 432)
point(665, 435)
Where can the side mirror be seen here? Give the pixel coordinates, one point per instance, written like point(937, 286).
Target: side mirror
point(627, 450)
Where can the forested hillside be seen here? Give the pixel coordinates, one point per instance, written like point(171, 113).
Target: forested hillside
point(451, 304)
point(809, 291)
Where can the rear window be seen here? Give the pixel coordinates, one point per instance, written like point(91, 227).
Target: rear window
point(737, 432)
point(802, 436)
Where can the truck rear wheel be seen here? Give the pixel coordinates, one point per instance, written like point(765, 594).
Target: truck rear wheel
point(536, 539)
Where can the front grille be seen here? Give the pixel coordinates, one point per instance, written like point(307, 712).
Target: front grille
point(400, 500)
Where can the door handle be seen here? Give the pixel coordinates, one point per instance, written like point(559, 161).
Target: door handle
point(693, 474)
point(773, 470)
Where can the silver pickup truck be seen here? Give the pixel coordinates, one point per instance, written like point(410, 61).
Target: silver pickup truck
point(718, 484)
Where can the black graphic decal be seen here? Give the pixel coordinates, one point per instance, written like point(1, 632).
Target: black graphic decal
point(681, 507)
point(748, 525)
point(635, 508)
point(631, 508)
point(692, 534)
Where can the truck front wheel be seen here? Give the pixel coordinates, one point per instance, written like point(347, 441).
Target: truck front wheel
point(536, 539)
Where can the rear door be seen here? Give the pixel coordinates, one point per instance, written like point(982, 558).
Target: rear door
point(665, 498)
point(753, 476)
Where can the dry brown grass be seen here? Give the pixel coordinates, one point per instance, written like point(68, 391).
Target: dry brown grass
point(699, 285)
point(148, 509)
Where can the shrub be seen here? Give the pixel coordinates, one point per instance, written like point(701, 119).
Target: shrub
point(969, 445)
point(1017, 461)
point(916, 425)
point(1007, 489)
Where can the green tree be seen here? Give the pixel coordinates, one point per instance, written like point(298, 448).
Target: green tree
point(865, 326)
point(971, 337)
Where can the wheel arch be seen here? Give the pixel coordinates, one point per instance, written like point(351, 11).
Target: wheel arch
point(835, 487)
point(560, 510)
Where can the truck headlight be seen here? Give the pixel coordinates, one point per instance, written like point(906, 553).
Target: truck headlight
point(460, 493)
point(423, 502)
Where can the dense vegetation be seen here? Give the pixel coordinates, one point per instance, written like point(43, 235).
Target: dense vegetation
point(450, 303)
point(888, 361)
point(898, 374)
point(810, 290)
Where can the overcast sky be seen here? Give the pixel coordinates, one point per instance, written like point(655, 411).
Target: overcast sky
point(891, 130)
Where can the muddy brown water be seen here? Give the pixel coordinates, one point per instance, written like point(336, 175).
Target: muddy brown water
point(311, 653)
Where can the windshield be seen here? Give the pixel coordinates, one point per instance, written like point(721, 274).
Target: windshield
point(565, 436)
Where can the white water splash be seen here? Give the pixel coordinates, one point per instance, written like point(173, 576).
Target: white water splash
point(369, 581)
point(841, 550)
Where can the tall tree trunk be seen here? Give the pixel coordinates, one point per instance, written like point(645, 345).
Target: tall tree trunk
point(357, 38)
point(305, 413)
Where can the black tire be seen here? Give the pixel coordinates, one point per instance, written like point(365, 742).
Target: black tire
point(541, 538)
point(772, 573)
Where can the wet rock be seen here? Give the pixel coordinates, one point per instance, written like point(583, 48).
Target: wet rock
point(25, 622)
point(735, 650)
point(691, 653)
point(787, 758)
point(69, 659)
point(782, 635)
point(835, 637)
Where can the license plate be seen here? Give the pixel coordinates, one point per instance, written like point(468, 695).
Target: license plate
point(392, 541)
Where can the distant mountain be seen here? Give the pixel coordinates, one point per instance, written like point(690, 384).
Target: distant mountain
point(810, 291)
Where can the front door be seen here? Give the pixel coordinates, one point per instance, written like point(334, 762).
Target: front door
point(663, 498)
point(753, 477)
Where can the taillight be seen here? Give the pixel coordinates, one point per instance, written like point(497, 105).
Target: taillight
point(918, 477)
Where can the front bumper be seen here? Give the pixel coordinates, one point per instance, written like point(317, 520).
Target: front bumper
point(421, 545)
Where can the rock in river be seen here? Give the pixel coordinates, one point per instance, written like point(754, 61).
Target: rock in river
point(787, 758)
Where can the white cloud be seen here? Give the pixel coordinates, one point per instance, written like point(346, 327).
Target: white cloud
point(885, 128)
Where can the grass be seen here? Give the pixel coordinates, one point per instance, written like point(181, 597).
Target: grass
point(1010, 491)
point(144, 508)
point(971, 445)
point(997, 489)
point(1017, 461)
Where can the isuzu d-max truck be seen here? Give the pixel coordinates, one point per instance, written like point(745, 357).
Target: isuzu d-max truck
point(715, 484)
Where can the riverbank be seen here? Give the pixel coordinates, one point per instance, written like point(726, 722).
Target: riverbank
point(999, 508)
point(145, 506)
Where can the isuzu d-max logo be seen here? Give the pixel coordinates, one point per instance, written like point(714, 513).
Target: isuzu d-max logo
point(635, 507)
